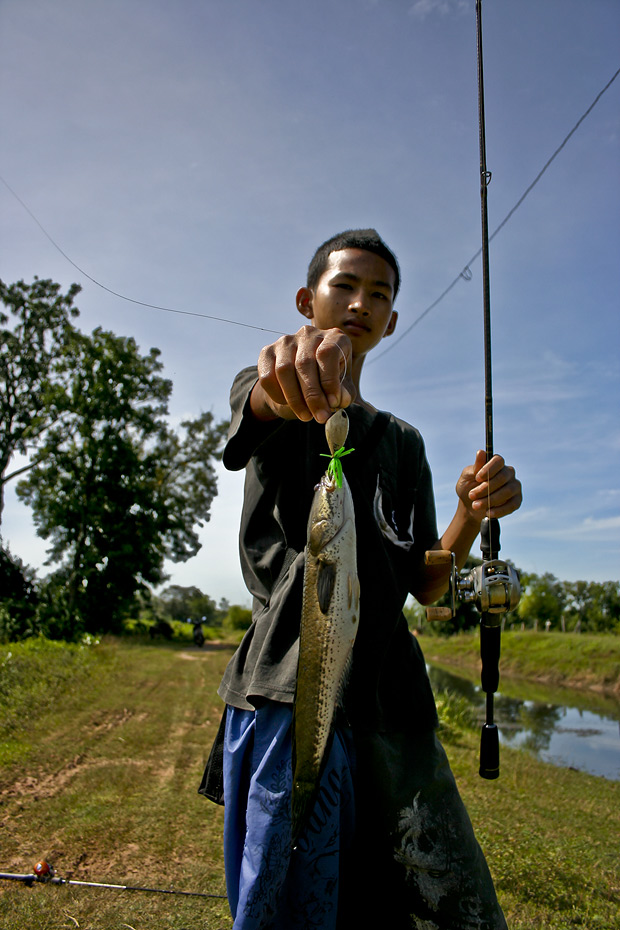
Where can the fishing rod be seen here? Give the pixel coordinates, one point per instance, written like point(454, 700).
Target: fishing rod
point(500, 578)
point(44, 874)
point(493, 587)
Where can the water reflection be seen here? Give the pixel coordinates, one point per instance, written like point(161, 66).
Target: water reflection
point(565, 734)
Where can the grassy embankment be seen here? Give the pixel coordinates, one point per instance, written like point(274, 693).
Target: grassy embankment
point(570, 660)
point(101, 752)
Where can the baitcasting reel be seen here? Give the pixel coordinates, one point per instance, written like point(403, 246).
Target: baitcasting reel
point(494, 589)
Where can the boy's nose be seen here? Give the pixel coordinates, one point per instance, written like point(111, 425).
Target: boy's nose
point(359, 306)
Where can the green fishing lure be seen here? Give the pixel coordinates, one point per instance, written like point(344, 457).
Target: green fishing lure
point(334, 469)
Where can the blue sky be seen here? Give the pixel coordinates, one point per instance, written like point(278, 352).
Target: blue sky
point(193, 155)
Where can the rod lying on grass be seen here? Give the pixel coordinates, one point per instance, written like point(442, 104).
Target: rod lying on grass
point(44, 874)
point(329, 622)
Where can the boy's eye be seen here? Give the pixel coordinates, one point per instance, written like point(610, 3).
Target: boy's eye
point(379, 294)
point(343, 285)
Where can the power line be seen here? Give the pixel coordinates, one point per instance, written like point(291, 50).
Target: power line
point(466, 274)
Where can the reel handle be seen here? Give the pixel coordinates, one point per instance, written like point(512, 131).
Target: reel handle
point(438, 613)
point(437, 557)
point(441, 557)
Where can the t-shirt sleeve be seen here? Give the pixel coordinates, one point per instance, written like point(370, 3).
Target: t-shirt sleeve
point(245, 433)
point(425, 534)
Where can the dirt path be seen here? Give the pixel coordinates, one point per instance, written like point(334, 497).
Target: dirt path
point(106, 790)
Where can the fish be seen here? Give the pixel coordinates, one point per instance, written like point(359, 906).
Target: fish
point(329, 623)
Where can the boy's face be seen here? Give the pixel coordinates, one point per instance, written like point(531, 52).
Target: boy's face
point(354, 294)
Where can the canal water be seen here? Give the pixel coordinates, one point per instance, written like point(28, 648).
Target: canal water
point(564, 727)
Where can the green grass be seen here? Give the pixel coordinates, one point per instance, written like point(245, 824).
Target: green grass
point(33, 675)
point(107, 750)
point(551, 839)
point(456, 716)
point(105, 787)
point(588, 661)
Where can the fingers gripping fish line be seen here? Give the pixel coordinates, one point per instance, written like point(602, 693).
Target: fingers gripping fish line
point(329, 622)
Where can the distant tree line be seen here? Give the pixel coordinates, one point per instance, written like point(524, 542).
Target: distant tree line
point(575, 606)
point(546, 604)
point(189, 604)
point(113, 488)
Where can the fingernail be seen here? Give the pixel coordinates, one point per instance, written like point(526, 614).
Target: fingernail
point(332, 400)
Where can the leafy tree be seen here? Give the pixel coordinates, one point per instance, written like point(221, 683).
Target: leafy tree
point(34, 335)
point(605, 611)
point(114, 489)
point(593, 606)
point(237, 618)
point(542, 600)
point(187, 603)
point(18, 598)
point(578, 602)
point(589, 606)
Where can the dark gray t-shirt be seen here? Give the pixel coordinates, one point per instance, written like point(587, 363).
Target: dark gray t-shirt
point(391, 484)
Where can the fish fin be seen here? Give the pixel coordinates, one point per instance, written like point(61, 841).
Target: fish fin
point(318, 536)
point(325, 581)
point(353, 592)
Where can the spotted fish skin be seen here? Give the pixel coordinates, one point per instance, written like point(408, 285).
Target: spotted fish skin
point(329, 623)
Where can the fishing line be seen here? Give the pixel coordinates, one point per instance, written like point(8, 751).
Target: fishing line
point(466, 273)
point(344, 373)
point(140, 303)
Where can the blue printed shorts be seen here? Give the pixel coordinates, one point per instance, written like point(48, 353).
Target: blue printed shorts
point(399, 853)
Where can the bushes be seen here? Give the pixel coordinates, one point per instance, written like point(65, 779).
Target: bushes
point(34, 673)
point(237, 619)
point(31, 608)
point(34, 608)
point(19, 599)
point(456, 715)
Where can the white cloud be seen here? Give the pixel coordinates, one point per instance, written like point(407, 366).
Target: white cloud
point(423, 8)
point(606, 527)
point(544, 523)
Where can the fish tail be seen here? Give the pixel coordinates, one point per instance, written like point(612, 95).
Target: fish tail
point(305, 791)
point(304, 795)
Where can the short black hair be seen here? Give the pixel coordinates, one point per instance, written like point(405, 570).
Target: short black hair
point(367, 239)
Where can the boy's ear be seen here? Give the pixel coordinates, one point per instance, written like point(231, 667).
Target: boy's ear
point(304, 300)
point(392, 324)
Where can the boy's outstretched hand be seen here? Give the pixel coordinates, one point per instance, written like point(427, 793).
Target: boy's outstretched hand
point(304, 376)
point(489, 489)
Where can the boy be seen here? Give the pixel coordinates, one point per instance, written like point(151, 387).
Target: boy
point(389, 840)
